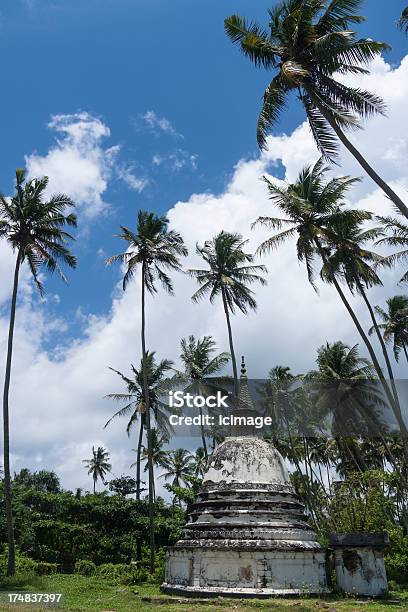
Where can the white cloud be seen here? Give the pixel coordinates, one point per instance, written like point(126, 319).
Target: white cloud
point(64, 412)
point(127, 175)
point(176, 160)
point(77, 164)
point(160, 124)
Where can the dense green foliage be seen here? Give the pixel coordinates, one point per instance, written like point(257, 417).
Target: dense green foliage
point(64, 528)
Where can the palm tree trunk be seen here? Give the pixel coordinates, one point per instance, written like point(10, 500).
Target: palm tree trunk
point(382, 343)
point(11, 564)
point(148, 428)
point(405, 351)
point(390, 397)
point(203, 440)
point(231, 344)
point(138, 486)
point(390, 193)
point(138, 461)
point(204, 443)
point(94, 485)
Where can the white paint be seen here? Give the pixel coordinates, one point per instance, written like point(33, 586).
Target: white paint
point(363, 573)
point(249, 572)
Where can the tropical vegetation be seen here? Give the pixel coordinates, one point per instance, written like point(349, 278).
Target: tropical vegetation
point(352, 477)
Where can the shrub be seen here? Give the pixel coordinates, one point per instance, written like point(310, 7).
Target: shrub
point(111, 571)
point(24, 565)
point(396, 558)
point(123, 573)
point(85, 567)
point(46, 569)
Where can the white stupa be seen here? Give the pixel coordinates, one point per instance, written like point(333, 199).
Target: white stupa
point(246, 533)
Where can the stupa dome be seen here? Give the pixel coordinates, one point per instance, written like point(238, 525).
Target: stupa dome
point(242, 460)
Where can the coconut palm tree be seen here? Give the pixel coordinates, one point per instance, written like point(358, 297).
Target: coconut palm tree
point(395, 324)
point(314, 208)
point(403, 20)
point(399, 239)
point(134, 402)
point(308, 43)
point(352, 262)
point(98, 465)
point(33, 225)
point(343, 377)
point(153, 249)
point(159, 455)
point(228, 277)
point(178, 465)
point(200, 463)
point(200, 364)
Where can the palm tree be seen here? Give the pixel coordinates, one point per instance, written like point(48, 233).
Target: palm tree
point(98, 465)
point(179, 466)
point(399, 238)
point(314, 209)
point(200, 363)
point(227, 277)
point(307, 43)
point(403, 20)
point(346, 389)
point(200, 463)
point(159, 455)
point(350, 260)
point(395, 324)
point(134, 402)
point(34, 228)
point(154, 249)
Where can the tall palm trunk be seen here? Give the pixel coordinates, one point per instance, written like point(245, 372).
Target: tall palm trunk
point(231, 344)
point(138, 486)
point(390, 396)
point(94, 484)
point(382, 343)
point(405, 351)
point(203, 440)
point(11, 564)
point(390, 193)
point(138, 460)
point(148, 428)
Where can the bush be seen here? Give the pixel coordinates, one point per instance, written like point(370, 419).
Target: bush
point(123, 573)
point(396, 558)
point(24, 565)
point(46, 569)
point(85, 567)
point(111, 571)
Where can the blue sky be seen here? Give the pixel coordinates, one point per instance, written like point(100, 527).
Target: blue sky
point(118, 59)
point(145, 104)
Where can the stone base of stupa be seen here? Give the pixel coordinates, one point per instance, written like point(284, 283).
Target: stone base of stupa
point(246, 534)
point(245, 573)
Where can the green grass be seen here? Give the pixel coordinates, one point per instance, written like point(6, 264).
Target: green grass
point(82, 593)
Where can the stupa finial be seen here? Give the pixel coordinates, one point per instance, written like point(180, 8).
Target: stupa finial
point(243, 368)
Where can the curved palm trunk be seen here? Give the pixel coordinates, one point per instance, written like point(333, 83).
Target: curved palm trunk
point(382, 343)
point(148, 429)
point(390, 193)
point(11, 564)
point(390, 396)
point(405, 351)
point(231, 344)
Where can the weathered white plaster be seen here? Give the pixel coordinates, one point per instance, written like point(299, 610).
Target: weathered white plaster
point(247, 533)
point(361, 571)
point(250, 460)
